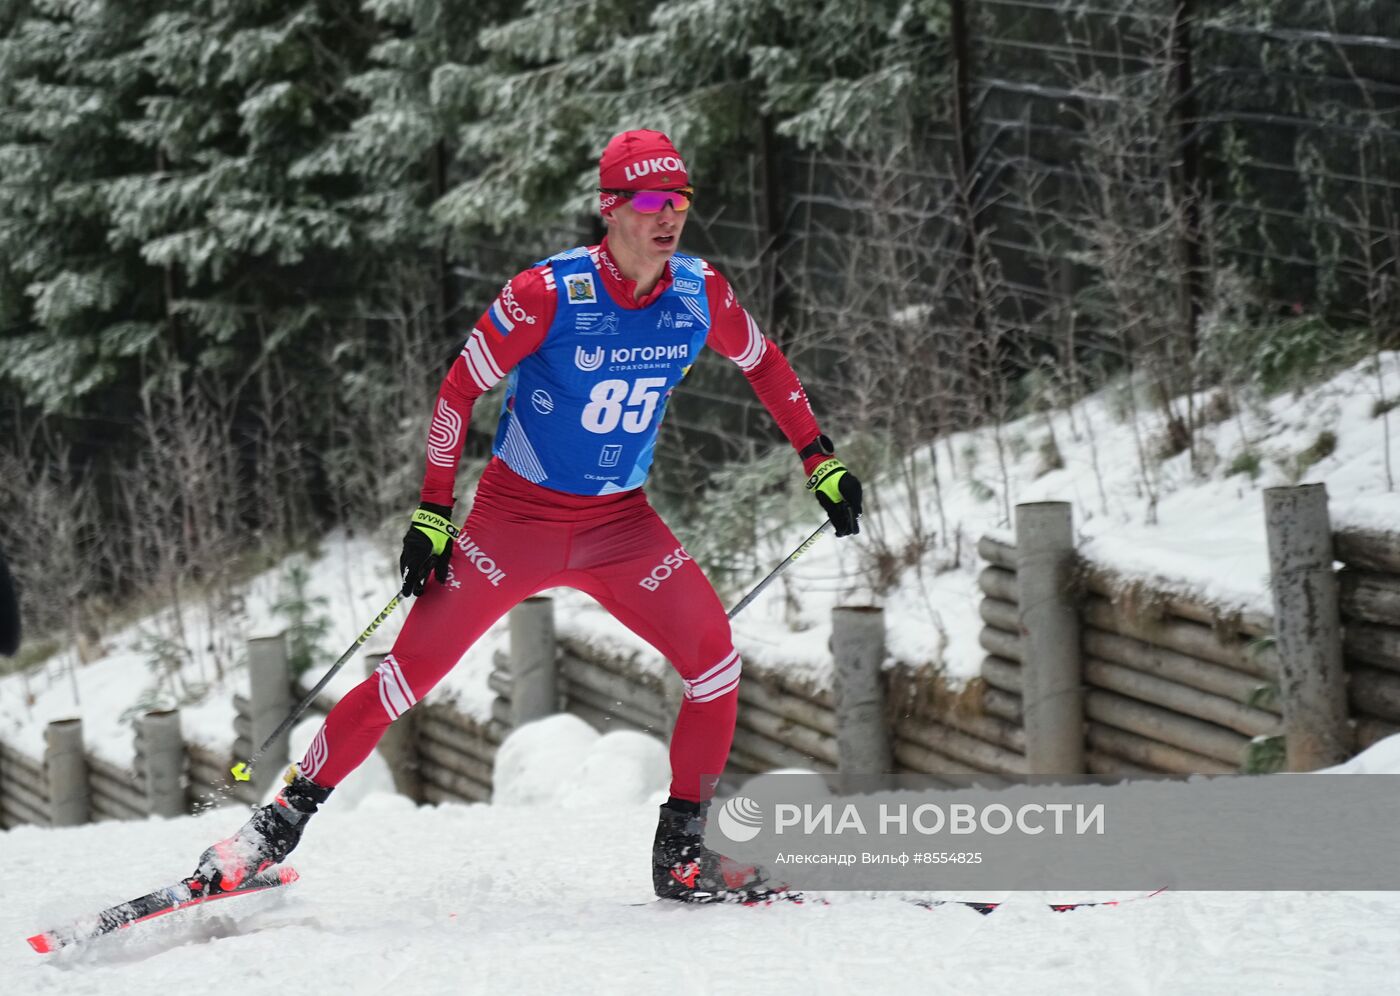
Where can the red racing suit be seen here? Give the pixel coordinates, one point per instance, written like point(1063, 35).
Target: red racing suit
point(521, 538)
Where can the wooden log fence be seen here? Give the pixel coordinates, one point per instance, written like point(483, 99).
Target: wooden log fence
point(1180, 685)
point(1191, 639)
point(781, 722)
point(1003, 674)
point(858, 651)
point(1052, 684)
point(209, 780)
point(115, 793)
point(160, 763)
point(1144, 597)
point(1180, 668)
point(1000, 704)
point(1367, 549)
point(1366, 642)
point(1307, 626)
point(66, 771)
point(24, 792)
point(1171, 684)
point(1370, 597)
point(1180, 698)
point(1369, 603)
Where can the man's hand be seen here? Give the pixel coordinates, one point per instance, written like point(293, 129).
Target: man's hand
point(426, 547)
point(838, 491)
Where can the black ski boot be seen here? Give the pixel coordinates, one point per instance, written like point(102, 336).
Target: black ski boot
point(683, 868)
point(266, 839)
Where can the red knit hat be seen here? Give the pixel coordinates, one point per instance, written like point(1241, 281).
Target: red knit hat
point(639, 160)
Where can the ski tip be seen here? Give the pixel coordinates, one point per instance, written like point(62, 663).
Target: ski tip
point(287, 875)
point(43, 943)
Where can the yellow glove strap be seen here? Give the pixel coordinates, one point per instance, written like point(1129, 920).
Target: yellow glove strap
point(435, 527)
point(827, 479)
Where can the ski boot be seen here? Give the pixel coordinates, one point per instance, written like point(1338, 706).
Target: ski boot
point(266, 839)
point(684, 869)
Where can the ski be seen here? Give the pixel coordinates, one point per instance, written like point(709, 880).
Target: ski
point(182, 895)
point(983, 907)
point(991, 907)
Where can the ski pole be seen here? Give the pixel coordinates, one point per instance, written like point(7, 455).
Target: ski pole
point(243, 770)
point(806, 545)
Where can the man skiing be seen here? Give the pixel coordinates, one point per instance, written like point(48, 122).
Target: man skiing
point(591, 342)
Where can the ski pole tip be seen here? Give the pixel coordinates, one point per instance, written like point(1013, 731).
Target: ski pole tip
point(241, 771)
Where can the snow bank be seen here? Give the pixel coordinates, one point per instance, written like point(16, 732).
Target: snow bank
point(1378, 512)
point(561, 760)
point(1381, 758)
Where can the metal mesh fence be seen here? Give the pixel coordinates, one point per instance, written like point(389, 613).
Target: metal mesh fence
point(1071, 208)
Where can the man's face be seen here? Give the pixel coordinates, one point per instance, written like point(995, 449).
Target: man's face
point(648, 236)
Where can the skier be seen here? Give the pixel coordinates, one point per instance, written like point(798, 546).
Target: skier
point(591, 342)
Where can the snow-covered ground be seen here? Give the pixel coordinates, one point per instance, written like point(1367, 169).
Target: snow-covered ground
point(552, 895)
point(540, 892)
point(495, 899)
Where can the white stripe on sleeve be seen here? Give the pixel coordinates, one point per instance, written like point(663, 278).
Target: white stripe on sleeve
point(485, 371)
point(757, 346)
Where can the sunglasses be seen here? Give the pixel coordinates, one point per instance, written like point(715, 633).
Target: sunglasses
point(652, 201)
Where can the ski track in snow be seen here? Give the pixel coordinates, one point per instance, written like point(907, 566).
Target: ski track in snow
point(476, 898)
point(539, 898)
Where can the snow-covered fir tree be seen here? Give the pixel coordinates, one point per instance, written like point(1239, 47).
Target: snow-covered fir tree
point(71, 308)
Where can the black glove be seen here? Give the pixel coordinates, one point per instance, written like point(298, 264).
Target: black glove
point(838, 491)
point(426, 547)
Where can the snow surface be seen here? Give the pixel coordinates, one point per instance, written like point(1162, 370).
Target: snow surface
point(554, 897)
point(1381, 758)
point(562, 761)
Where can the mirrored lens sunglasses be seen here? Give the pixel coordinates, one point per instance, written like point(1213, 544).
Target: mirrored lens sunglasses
point(652, 201)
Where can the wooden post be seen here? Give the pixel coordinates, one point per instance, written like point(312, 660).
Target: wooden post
point(65, 767)
point(862, 732)
point(269, 702)
point(1052, 686)
point(533, 661)
point(160, 753)
point(1307, 626)
point(399, 744)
